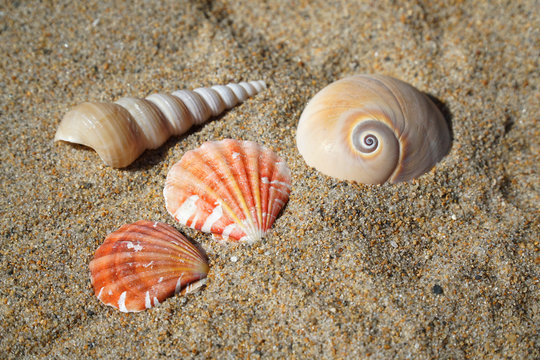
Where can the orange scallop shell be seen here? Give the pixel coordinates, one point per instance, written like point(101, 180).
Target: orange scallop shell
point(141, 264)
point(233, 189)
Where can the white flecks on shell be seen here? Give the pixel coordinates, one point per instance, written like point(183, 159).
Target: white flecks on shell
point(186, 210)
point(122, 302)
point(283, 168)
point(195, 286)
point(277, 188)
point(135, 247)
point(194, 221)
point(178, 287)
point(216, 214)
point(147, 300)
point(228, 230)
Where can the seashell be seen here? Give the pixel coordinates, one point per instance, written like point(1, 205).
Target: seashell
point(141, 264)
point(372, 129)
point(230, 188)
point(120, 132)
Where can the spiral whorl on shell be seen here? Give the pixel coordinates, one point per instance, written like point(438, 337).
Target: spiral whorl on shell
point(120, 132)
point(372, 129)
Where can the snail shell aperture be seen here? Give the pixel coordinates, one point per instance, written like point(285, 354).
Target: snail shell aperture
point(120, 132)
point(372, 129)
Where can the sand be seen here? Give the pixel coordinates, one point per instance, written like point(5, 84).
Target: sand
point(445, 266)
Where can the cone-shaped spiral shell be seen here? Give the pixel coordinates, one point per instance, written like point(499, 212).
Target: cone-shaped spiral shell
point(120, 132)
point(372, 129)
point(141, 264)
point(230, 188)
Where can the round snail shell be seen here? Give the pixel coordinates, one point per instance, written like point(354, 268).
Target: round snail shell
point(120, 132)
point(372, 129)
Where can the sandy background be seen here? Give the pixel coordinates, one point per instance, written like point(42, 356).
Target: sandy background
point(446, 266)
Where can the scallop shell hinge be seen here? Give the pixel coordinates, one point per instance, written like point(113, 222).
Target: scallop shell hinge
point(120, 132)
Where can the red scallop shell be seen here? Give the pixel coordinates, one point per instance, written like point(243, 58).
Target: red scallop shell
point(141, 264)
point(233, 189)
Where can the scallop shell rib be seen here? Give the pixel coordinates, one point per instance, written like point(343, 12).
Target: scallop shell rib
point(120, 132)
point(230, 188)
point(141, 264)
point(372, 129)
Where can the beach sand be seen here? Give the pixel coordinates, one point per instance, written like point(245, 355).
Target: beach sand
point(444, 266)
